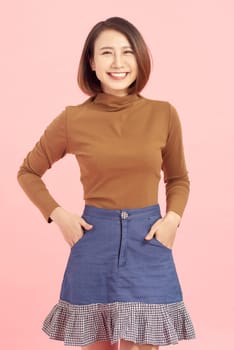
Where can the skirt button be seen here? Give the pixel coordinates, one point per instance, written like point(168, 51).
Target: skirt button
point(124, 215)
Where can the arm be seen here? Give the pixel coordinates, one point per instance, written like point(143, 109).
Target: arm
point(51, 146)
point(174, 168)
point(177, 183)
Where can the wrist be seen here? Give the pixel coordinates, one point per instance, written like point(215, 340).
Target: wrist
point(56, 213)
point(173, 217)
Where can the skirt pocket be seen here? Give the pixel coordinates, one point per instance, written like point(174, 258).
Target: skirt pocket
point(78, 242)
point(85, 235)
point(148, 222)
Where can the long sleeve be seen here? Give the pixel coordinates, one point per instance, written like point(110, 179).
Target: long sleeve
point(174, 166)
point(51, 146)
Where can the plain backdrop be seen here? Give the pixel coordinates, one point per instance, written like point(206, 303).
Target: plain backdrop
point(192, 47)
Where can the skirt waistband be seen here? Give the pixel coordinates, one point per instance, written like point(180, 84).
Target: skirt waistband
point(122, 213)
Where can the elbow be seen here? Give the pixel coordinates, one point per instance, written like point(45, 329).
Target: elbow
point(20, 174)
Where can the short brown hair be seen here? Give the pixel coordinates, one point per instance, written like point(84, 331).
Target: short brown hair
point(87, 79)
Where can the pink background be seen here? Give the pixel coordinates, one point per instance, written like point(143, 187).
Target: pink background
point(192, 46)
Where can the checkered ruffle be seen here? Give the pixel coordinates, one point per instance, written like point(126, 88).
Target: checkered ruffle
point(157, 324)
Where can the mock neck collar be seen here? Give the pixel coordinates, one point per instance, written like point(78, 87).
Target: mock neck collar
point(115, 103)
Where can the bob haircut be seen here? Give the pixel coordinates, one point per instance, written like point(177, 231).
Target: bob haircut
point(87, 79)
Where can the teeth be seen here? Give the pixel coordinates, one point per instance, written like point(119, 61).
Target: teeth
point(118, 74)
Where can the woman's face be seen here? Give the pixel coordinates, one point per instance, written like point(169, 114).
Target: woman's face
point(114, 62)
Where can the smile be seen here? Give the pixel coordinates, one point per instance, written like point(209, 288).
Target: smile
point(120, 75)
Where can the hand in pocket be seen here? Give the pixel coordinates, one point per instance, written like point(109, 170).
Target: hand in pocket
point(70, 224)
point(164, 231)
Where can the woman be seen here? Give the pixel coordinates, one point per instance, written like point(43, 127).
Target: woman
point(120, 282)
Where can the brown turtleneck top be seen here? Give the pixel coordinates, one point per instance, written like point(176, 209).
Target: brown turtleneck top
point(121, 145)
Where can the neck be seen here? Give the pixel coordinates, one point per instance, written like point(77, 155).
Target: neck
point(114, 102)
point(118, 94)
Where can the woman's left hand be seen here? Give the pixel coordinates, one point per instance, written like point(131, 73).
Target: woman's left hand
point(165, 229)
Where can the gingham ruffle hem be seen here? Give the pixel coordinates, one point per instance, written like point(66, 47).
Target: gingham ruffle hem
point(156, 324)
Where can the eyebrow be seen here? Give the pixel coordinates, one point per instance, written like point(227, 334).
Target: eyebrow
point(111, 47)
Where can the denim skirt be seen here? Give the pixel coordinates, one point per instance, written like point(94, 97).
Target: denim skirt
point(117, 285)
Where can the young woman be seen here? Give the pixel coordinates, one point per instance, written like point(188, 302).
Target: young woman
point(120, 285)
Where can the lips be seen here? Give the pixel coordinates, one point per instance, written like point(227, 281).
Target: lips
point(118, 75)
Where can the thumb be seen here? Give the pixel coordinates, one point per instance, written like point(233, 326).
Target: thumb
point(85, 224)
point(88, 226)
point(150, 235)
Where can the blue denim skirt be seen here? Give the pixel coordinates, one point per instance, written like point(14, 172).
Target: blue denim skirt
point(117, 285)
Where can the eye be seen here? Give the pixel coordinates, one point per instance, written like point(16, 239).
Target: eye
point(129, 51)
point(106, 52)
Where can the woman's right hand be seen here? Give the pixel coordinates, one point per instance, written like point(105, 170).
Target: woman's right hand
point(70, 224)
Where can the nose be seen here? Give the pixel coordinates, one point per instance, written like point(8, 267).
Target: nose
point(117, 60)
